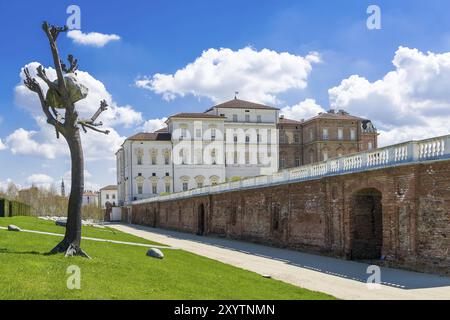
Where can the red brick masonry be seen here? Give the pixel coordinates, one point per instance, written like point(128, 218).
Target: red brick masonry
point(401, 214)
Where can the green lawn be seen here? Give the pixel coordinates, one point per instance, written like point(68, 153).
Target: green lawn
point(32, 223)
point(118, 271)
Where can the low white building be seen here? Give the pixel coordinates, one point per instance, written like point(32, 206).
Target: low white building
point(90, 198)
point(232, 140)
point(108, 194)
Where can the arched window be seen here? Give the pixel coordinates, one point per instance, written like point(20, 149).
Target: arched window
point(199, 181)
point(185, 182)
point(214, 180)
point(139, 156)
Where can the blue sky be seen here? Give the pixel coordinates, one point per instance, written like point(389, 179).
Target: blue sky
point(165, 36)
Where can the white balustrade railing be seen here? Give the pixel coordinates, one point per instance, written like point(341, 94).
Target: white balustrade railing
point(408, 152)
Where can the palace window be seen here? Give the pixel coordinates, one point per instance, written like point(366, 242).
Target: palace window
point(185, 186)
point(235, 118)
point(166, 158)
point(296, 138)
point(325, 155)
point(340, 134)
point(352, 134)
point(168, 187)
point(154, 188)
point(282, 162)
point(258, 118)
point(247, 118)
point(325, 133)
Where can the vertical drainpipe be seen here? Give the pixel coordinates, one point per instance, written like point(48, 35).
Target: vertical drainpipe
point(173, 165)
point(131, 170)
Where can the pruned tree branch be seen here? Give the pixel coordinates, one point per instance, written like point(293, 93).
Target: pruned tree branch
point(43, 75)
point(52, 33)
point(73, 65)
point(32, 84)
point(86, 125)
point(91, 122)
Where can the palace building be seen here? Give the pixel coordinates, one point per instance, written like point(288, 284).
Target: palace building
point(231, 141)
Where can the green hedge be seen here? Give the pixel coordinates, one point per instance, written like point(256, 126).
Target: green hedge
point(10, 208)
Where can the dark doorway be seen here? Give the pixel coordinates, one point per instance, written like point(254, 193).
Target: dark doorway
point(367, 225)
point(201, 220)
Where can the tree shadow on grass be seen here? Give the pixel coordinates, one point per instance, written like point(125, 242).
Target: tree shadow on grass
point(5, 250)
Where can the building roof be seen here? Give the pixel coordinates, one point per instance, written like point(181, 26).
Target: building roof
point(242, 104)
point(110, 187)
point(151, 136)
point(288, 121)
point(195, 115)
point(332, 115)
point(89, 194)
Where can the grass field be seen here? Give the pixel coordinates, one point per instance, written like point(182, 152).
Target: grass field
point(118, 271)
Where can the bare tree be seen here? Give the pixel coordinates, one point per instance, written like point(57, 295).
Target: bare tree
point(62, 94)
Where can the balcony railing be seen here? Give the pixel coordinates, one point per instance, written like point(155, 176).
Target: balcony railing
point(403, 153)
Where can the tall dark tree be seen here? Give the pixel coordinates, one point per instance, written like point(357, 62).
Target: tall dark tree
point(62, 94)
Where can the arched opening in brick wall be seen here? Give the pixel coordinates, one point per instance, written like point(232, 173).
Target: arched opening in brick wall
point(366, 224)
point(201, 217)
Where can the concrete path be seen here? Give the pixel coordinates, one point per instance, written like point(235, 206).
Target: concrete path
point(340, 278)
point(96, 239)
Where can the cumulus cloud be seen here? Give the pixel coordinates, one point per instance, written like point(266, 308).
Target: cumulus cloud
point(2, 145)
point(154, 124)
point(94, 39)
point(96, 146)
point(410, 102)
point(23, 142)
point(40, 180)
point(257, 75)
point(4, 184)
point(303, 110)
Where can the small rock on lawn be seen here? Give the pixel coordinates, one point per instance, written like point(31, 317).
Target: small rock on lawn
point(12, 227)
point(155, 253)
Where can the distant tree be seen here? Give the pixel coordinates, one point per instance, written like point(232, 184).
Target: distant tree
point(62, 94)
point(12, 192)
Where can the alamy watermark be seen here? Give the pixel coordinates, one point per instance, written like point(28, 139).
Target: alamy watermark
point(374, 280)
point(374, 20)
point(74, 280)
point(73, 22)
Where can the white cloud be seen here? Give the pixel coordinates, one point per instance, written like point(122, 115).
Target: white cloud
point(2, 145)
point(94, 39)
point(4, 184)
point(411, 102)
point(154, 124)
point(40, 180)
point(23, 142)
point(96, 146)
point(303, 110)
point(257, 75)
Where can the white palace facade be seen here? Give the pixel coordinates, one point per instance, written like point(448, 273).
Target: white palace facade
point(232, 140)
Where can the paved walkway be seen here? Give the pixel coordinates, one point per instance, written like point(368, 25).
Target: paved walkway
point(340, 278)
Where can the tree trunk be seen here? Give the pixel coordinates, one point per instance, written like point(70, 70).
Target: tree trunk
point(72, 239)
